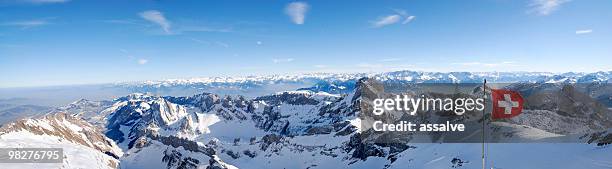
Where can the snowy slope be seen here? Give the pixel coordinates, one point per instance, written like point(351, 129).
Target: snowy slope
point(83, 145)
point(305, 129)
point(311, 128)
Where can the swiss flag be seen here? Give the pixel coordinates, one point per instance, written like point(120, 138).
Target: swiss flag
point(506, 103)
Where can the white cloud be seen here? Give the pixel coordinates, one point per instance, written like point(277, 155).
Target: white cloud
point(259, 43)
point(142, 61)
point(584, 31)
point(545, 7)
point(199, 41)
point(408, 19)
point(282, 60)
point(401, 15)
point(26, 24)
point(297, 12)
point(177, 28)
point(157, 18)
point(387, 20)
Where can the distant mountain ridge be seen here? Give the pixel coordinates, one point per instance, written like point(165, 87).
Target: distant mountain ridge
point(344, 82)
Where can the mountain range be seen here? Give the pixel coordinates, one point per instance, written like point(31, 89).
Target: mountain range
point(314, 122)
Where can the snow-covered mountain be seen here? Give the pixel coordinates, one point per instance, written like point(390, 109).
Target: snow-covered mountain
point(338, 83)
point(83, 144)
point(312, 128)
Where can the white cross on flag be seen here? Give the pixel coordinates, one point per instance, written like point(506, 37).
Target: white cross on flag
point(506, 103)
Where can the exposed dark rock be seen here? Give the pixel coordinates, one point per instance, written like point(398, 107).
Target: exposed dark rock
point(249, 153)
point(289, 98)
point(457, 162)
point(363, 150)
point(232, 154)
point(319, 130)
point(269, 139)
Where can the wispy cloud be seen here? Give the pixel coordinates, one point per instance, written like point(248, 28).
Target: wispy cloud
point(217, 43)
point(545, 7)
point(405, 15)
point(170, 28)
point(222, 44)
point(400, 15)
point(387, 20)
point(282, 60)
point(584, 31)
point(157, 18)
point(26, 24)
point(297, 11)
point(200, 41)
point(142, 61)
point(408, 19)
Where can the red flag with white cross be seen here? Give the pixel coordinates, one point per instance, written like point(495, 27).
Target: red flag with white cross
point(506, 103)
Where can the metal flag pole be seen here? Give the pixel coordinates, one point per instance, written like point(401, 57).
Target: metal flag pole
point(484, 93)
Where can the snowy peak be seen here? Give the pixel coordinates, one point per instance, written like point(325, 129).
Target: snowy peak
point(296, 98)
point(165, 128)
point(343, 83)
point(64, 126)
point(247, 79)
point(93, 112)
point(337, 81)
point(83, 144)
point(227, 107)
point(166, 113)
point(135, 115)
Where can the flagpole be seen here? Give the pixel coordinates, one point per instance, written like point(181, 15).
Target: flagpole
point(484, 93)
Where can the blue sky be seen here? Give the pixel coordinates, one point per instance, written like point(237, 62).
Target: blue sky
point(59, 42)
